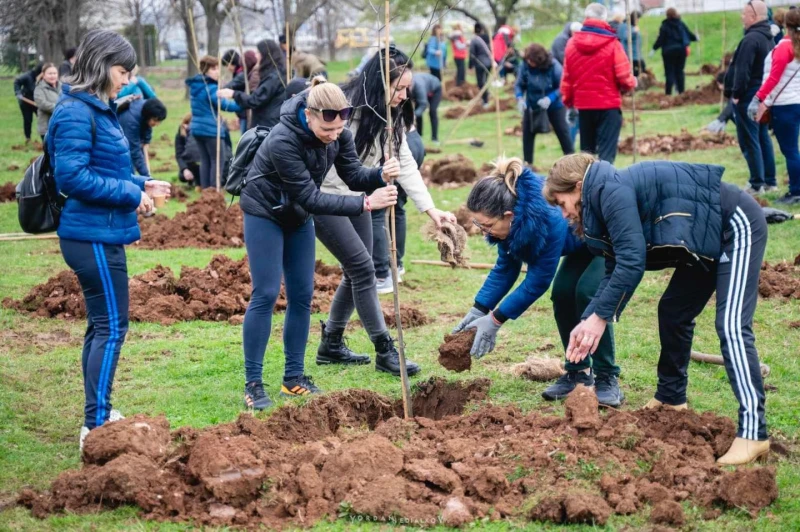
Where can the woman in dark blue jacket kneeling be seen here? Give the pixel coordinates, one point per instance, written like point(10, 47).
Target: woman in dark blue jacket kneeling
point(510, 210)
point(657, 215)
point(92, 168)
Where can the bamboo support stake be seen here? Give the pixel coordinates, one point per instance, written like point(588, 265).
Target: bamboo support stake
point(722, 57)
point(288, 51)
point(219, 122)
point(496, 100)
point(633, 93)
point(407, 408)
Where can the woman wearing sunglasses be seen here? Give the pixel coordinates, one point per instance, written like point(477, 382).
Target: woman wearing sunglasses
point(280, 194)
point(349, 238)
point(509, 209)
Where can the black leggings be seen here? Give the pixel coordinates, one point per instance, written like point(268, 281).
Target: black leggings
point(28, 112)
point(461, 74)
point(482, 75)
point(674, 65)
point(558, 121)
point(207, 146)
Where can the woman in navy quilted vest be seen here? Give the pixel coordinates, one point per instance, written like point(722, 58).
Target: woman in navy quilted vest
point(657, 215)
point(93, 170)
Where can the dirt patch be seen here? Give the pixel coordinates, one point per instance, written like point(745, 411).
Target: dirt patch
point(178, 193)
point(451, 171)
point(8, 192)
point(454, 352)
point(207, 223)
point(219, 292)
point(685, 141)
point(539, 369)
point(780, 280)
point(410, 317)
point(647, 80)
point(464, 217)
point(464, 93)
point(348, 454)
point(703, 95)
point(451, 240)
point(515, 131)
point(457, 111)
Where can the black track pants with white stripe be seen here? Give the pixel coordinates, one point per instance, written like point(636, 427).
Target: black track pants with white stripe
point(735, 278)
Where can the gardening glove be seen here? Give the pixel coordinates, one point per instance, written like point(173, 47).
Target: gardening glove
point(544, 103)
point(652, 53)
point(471, 316)
point(752, 109)
point(572, 117)
point(521, 106)
point(775, 216)
point(716, 127)
point(485, 335)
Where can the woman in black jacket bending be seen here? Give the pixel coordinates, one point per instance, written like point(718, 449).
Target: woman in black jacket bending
point(280, 194)
point(658, 215)
point(268, 97)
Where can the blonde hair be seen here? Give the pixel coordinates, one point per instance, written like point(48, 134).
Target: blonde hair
point(40, 77)
point(565, 175)
point(326, 95)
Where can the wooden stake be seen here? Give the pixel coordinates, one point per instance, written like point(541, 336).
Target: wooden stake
point(390, 215)
point(633, 93)
point(288, 51)
point(219, 121)
point(719, 361)
point(470, 266)
point(237, 28)
point(496, 100)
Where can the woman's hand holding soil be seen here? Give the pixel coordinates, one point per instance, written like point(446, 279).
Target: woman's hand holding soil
point(471, 316)
point(441, 216)
point(382, 198)
point(485, 335)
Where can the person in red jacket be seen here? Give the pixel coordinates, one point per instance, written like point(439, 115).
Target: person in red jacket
point(460, 46)
point(596, 72)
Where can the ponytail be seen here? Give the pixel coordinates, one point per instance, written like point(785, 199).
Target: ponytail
point(792, 21)
point(507, 171)
point(496, 193)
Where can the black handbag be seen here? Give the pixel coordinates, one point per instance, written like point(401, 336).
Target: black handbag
point(538, 121)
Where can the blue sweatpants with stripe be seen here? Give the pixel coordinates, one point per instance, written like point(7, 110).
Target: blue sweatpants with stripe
point(102, 271)
point(734, 277)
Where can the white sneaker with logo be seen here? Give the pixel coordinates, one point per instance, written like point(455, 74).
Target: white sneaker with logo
point(114, 415)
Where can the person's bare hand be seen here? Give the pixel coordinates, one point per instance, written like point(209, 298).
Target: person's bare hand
point(188, 175)
point(440, 216)
point(225, 93)
point(383, 197)
point(391, 169)
point(154, 187)
point(145, 205)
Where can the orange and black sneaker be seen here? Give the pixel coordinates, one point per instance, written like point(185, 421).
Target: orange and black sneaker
point(255, 397)
point(299, 386)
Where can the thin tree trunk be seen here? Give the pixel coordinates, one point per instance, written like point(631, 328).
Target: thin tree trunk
point(140, 36)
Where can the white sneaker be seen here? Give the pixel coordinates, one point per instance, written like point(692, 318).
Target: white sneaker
point(84, 433)
point(771, 188)
point(115, 415)
point(754, 191)
point(384, 286)
point(401, 271)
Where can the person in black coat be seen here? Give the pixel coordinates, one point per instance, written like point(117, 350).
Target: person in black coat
point(268, 97)
point(65, 69)
point(187, 155)
point(280, 193)
point(658, 215)
point(233, 62)
point(673, 38)
point(24, 86)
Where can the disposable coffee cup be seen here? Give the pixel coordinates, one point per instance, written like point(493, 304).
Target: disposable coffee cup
point(159, 201)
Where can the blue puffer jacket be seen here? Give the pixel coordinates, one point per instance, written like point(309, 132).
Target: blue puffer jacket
point(539, 236)
point(137, 132)
point(102, 192)
point(433, 60)
point(651, 215)
point(203, 97)
point(536, 83)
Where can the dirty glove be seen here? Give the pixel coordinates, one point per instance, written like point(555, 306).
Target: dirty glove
point(521, 106)
point(716, 127)
point(752, 109)
point(471, 316)
point(485, 335)
point(544, 103)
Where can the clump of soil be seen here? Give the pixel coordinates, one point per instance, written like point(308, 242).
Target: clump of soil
point(451, 240)
point(452, 170)
point(464, 93)
point(454, 352)
point(178, 193)
point(8, 192)
point(539, 369)
point(207, 223)
point(219, 292)
point(780, 280)
point(581, 408)
point(464, 217)
point(685, 141)
point(515, 131)
point(647, 80)
point(410, 317)
point(349, 454)
point(456, 111)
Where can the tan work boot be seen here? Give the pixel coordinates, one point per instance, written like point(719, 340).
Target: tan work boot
point(654, 403)
point(744, 451)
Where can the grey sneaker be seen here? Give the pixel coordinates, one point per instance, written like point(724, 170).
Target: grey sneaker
point(607, 389)
point(788, 199)
point(384, 286)
point(753, 191)
point(772, 188)
point(566, 383)
point(401, 270)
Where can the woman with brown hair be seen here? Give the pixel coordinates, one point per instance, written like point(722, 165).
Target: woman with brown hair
point(674, 38)
point(436, 52)
point(657, 215)
point(187, 154)
point(46, 95)
point(538, 92)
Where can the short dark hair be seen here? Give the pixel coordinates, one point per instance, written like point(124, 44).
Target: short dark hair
point(282, 38)
point(539, 55)
point(478, 27)
point(231, 57)
point(99, 51)
point(672, 13)
point(69, 53)
point(153, 108)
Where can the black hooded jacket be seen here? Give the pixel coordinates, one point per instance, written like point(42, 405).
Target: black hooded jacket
point(268, 97)
point(674, 35)
point(291, 164)
point(747, 66)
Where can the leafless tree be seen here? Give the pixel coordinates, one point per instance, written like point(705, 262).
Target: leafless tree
point(49, 26)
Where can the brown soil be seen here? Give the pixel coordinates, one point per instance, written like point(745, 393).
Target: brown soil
point(12, 168)
point(207, 223)
point(465, 217)
point(703, 95)
point(347, 454)
point(464, 93)
point(432, 150)
point(218, 292)
point(685, 141)
point(581, 408)
point(451, 241)
point(780, 280)
point(8, 192)
point(539, 369)
point(647, 79)
point(178, 193)
point(410, 317)
point(668, 513)
point(452, 170)
point(454, 352)
point(515, 131)
point(455, 112)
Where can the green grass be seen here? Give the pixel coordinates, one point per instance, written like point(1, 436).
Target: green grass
point(192, 372)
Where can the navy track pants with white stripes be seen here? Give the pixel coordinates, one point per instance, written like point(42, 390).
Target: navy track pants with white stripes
point(103, 274)
point(734, 277)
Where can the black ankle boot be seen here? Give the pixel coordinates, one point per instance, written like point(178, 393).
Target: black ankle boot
point(333, 350)
point(387, 359)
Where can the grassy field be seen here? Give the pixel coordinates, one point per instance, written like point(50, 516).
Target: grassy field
point(192, 372)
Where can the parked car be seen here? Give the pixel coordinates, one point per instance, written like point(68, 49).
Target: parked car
point(176, 50)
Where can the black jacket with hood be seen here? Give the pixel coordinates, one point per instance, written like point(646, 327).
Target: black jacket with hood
point(291, 164)
point(560, 43)
point(747, 66)
point(268, 97)
point(673, 36)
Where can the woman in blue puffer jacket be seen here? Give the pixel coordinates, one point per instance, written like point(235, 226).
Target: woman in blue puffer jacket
point(203, 98)
point(509, 209)
point(93, 170)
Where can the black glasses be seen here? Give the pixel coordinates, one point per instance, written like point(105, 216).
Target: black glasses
point(329, 115)
point(483, 228)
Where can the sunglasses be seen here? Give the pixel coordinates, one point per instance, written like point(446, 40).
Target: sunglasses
point(329, 115)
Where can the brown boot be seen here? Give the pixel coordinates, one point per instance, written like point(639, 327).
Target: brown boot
point(652, 404)
point(744, 451)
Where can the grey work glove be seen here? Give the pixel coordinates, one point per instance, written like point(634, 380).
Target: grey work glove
point(485, 335)
point(544, 103)
point(752, 109)
point(521, 106)
point(572, 117)
point(471, 316)
point(716, 127)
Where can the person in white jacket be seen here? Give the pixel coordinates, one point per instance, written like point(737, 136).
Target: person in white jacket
point(349, 239)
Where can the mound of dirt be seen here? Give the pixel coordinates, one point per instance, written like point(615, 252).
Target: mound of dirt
point(449, 171)
point(178, 193)
point(451, 241)
point(454, 352)
point(464, 93)
point(207, 223)
point(410, 317)
point(647, 80)
point(780, 280)
point(703, 95)
point(465, 217)
point(539, 369)
point(8, 192)
point(348, 454)
point(455, 112)
point(515, 131)
point(685, 141)
point(218, 292)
